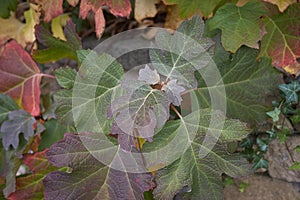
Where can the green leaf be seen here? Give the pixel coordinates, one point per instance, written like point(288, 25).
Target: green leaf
point(7, 104)
point(239, 25)
point(189, 8)
point(53, 133)
point(201, 175)
point(7, 6)
point(260, 162)
point(274, 114)
point(295, 166)
point(65, 77)
point(57, 48)
point(95, 84)
point(290, 91)
point(247, 84)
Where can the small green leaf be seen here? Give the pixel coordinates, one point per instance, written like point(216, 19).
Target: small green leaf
point(65, 76)
point(290, 91)
point(243, 186)
point(260, 162)
point(297, 149)
point(274, 114)
point(295, 166)
point(283, 135)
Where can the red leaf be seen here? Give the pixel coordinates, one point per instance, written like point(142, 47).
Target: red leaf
point(20, 77)
point(51, 8)
point(117, 8)
point(31, 186)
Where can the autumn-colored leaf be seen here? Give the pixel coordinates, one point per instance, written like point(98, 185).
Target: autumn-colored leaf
point(282, 4)
point(20, 77)
point(117, 8)
point(282, 41)
point(31, 186)
point(51, 8)
point(144, 9)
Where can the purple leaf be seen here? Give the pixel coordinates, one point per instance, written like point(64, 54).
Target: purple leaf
point(19, 121)
point(149, 76)
point(173, 90)
point(89, 179)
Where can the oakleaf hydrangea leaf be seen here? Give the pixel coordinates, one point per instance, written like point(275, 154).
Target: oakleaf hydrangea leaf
point(290, 91)
point(178, 56)
point(20, 78)
point(19, 121)
point(239, 25)
point(148, 75)
point(31, 186)
point(141, 110)
point(57, 48)
point(282, 40)
point(247, 83)
point(6, 105)
point(89, 178)
point(202, 176)
point(173, 90)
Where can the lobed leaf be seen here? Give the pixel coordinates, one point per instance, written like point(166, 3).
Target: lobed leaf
point(6, 106)
point(20, 78)
point(239, 25)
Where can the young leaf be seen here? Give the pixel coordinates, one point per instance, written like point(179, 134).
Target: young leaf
point(20, 78)
point(282, 5)
point(290, 91)
point(274, 114)
point(282, 40)
point(141, 110)
point(174, 92)
point(117, 8)
point(90, 179)
point(31, 186)
point(149, 76)
point(189, 8)
point(247, 83)
point(201, 175)
point(19, 122)
point(6, 105)
point(56, 48)
point(239, 25)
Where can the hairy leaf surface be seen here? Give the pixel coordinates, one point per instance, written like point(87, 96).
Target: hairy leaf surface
point(247, 83)
point(201, 175)
point(90, 179)
point(20, 77)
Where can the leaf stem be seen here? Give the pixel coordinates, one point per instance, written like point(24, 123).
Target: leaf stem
point(176, 111)
point(48, 75)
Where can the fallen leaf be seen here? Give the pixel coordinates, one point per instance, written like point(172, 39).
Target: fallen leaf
point(144, 9)
point(20, 77)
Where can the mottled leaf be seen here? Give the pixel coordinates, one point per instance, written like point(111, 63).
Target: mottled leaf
point(290, 91)
point(117, 8)
point(31, 186)
point(89, 178)
point(282, 4)
point(202, 176)
point(65, 77)
point(57, 48)
point(174, 92)
point(282, 40)
point(189, 8)
point(6, 105)
point(51, 8)
point(148, 75)
point(20, 78)
point(239, 25)
point(19, 122)
point(247, 82)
